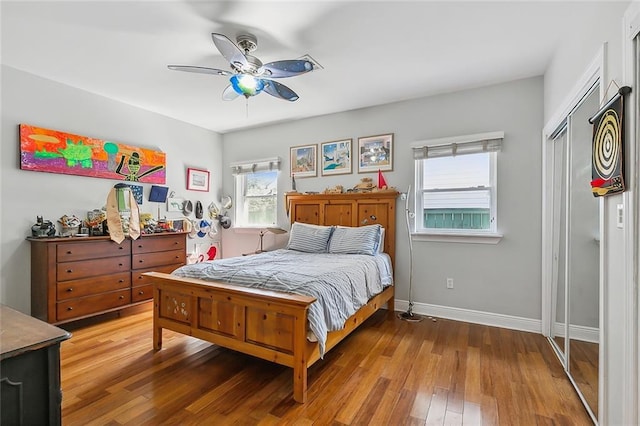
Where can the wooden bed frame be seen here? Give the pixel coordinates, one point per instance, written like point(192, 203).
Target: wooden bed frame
point(267, 324)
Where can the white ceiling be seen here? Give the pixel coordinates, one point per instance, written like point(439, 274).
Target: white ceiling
point(373, 52)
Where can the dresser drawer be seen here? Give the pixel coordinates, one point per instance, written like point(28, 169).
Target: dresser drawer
point(94, 285)
point(138, 279)
point(138, 294)
point(89, 305)
point(91, 268)
point(159, 243)
point(69, 252)
point(161, 258)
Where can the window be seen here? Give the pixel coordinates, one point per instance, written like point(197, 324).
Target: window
point(256, 189)
point(456, 185)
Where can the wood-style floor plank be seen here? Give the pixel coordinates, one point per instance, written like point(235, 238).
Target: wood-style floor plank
point(388, 372)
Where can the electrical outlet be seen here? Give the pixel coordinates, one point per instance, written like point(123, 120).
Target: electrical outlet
point(449, 282)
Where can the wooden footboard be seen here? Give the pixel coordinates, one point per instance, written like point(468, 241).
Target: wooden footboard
point(266, 324)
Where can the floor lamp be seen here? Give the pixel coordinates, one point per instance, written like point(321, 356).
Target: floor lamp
point(409, 315)
point(273, 231)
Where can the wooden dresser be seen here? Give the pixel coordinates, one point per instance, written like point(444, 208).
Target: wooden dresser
point(351, 209)
point(79, 277)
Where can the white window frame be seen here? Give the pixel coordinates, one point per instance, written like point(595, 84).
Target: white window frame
point(241, 171)
point(449, 147)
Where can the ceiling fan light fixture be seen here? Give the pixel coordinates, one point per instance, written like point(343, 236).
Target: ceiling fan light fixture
point(246, 85)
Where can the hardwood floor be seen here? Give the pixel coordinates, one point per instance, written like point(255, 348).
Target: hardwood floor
point(387, 372)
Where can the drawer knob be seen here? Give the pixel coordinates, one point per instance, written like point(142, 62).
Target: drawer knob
point(70, 289)
point(141, 292)
point(68, 251)
point(120, 280)
point(69, 271)
point(140, 261)
point(120, 248)
point(69, 308)
point(140, 277)
point(121, 297)
point(119, 264)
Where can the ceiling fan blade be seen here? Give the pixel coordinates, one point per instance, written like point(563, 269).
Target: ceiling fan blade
point(229, 94)
point(279, 90)
point(201, 70)
point(229, 50)
point(287, 68)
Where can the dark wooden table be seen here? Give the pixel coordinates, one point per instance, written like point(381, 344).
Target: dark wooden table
point(29, 369)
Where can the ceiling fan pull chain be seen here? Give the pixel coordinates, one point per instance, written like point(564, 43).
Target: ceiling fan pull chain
point(247, 107)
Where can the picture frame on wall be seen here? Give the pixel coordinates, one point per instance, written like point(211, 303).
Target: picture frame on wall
point(197, 180)
point(336, 157)
point(375, 153)
point(304, 161)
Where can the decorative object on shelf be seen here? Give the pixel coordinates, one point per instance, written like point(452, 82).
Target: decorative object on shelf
point(273, 230)
point(365, 185)
point(382, 182)
point(70, 225)
point(293, 183)
point(304, 161)
point(607, 169)
point(336, 157)
point(375, 153)
point(197, 180)
point(338, 189)
point(96, 222)
point(43, 228)
point(53, 151)
point(123, 215)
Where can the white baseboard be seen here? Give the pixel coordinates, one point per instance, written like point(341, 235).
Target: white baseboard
point(476, 317)
point(578, 332)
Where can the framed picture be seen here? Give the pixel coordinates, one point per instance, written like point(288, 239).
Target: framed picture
point(304, 161)
point(175, 204)
point(375, 153)
point(336, 157)
point(198, 180)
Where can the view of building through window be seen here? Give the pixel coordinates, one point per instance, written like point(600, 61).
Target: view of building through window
point(456, 192)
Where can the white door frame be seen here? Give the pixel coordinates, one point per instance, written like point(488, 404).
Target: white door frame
point(631, 208)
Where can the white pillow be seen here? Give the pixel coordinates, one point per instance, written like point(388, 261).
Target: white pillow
point(355, 240)
point(309, 238)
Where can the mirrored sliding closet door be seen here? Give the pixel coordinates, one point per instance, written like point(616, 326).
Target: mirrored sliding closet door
point(575, 264)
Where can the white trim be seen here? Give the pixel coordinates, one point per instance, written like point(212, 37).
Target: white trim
point(630, 328)
point(578, 332)
point(476, 317)
point(593, 73)
point(458, 139)
point(458, 237)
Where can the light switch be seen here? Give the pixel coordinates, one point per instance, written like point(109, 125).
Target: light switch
point(620, 216)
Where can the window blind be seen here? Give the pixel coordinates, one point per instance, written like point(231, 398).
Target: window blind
point(246, 167)
point(458, 145)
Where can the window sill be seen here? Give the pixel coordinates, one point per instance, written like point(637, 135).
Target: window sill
point(458, 237)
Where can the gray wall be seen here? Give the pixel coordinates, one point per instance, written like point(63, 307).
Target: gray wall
point(502, 278)
point(25, 194)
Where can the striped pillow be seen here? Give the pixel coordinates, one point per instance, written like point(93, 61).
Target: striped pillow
point(309, 238)
point(359, 240)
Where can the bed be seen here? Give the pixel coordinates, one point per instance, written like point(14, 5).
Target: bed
point(264, 322)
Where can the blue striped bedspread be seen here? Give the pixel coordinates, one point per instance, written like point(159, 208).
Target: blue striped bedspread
point(341, 283)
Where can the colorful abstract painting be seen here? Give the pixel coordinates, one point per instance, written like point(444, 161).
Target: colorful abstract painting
point(53, 151)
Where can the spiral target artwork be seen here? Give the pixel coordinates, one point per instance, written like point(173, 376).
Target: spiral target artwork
point(607, 150)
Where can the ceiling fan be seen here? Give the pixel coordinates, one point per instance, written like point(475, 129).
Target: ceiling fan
point(249, 76)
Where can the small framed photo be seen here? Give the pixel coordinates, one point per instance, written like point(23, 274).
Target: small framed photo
point(175, 204)
point(375, 153)
point(336, 157)
point(198, 180)
point(304, 161)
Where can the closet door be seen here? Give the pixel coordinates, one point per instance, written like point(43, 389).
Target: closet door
point(583, 257)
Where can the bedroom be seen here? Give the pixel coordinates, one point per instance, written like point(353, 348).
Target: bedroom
point(509, 292)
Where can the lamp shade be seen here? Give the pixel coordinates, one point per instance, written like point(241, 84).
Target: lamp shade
point(246, 85)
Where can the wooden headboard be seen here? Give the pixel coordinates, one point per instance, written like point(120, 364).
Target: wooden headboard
point(352, 209)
